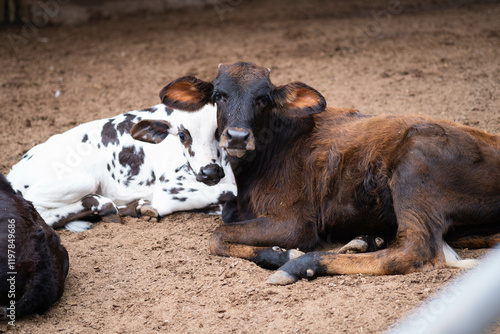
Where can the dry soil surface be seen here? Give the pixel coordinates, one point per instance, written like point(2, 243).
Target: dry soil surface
point(435, 58)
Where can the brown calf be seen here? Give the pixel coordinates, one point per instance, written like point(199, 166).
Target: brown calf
point(33, 262)
point(305, 172)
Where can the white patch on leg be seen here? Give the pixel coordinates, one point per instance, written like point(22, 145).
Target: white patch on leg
point(454, 260)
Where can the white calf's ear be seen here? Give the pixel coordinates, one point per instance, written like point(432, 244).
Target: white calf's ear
point(150, 131)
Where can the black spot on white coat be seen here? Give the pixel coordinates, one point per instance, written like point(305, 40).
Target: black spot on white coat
point(126, 124)
point(175, 191)
point(133, 159)
point(109, 134)
point(152, 180)
point(150, 110)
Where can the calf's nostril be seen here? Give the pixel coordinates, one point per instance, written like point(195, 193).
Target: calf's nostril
point(237, 135)
point(210, 174)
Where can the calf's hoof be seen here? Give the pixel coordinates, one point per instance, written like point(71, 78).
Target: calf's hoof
point(306, 266)
point(281, 278)
point(294, 253)
point(362, 244)
point(148, 211)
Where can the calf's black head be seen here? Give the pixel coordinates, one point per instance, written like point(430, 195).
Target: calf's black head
point(246, 102)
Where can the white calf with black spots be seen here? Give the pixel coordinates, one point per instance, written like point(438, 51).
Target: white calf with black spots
point(99, 169)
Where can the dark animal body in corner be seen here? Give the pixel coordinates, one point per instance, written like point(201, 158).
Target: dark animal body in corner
point(305, 171)
point(33, 262)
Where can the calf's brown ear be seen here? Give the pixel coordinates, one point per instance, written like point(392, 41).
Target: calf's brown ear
point(150, 131)
point(297, 100)
point(187, 93)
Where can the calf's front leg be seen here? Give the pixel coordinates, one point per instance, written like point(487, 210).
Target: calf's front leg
point(268, 243)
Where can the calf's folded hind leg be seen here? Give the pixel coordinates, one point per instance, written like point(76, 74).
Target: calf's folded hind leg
point(90, 206)
point(418, 246)
point(396, 260)
point(390, 261)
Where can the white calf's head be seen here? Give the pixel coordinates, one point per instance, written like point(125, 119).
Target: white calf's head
point(196, 130)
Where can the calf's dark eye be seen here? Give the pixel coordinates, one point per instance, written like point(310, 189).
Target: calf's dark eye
point(182, 137)
point(264, 100)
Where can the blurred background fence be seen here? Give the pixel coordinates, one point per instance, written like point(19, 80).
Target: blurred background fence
point(9, 11)
point(81, 11)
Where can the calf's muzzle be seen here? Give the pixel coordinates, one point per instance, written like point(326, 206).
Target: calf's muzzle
point(210, 174)
point(237, 141)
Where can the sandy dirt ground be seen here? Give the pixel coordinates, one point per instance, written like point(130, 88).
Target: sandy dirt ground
point(432, 58)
